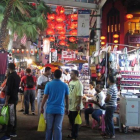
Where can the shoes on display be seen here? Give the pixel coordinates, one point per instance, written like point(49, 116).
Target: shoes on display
point(5, 138)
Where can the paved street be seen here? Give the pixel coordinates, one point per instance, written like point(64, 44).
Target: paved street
point(27, 130)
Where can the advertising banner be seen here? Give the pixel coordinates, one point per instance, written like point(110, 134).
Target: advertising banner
point(68, 55)
point(83, 23)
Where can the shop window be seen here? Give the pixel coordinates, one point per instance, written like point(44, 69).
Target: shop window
point(115, 27)
point(108, 29)
point(112, 28)
point(137, 26)
point(113, 24)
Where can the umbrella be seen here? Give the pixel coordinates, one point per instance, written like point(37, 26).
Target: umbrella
point(57, 64)
point(53, 68)
point(78, 62)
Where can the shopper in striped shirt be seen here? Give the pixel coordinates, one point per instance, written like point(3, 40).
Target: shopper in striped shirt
point(111, 103)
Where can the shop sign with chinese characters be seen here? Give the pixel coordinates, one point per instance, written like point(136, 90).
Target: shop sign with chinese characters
point(68, 55)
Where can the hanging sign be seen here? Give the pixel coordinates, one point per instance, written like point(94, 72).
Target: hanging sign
point(68, 55)
point(54, 56)
point(83, 23)
point(92, 48)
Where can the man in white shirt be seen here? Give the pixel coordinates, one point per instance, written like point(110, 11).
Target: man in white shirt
point(98, 101)
point(42, 81)
point(67, 76)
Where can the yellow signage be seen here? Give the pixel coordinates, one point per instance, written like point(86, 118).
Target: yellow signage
point(92, 48)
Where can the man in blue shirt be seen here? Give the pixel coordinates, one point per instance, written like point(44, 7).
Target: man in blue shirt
point(56, 92)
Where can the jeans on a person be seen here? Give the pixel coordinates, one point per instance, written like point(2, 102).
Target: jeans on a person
point(87, 112)
point(11, 128)
point(75, 127)
point(109, 120)
point(29, 96)
point(2, 100)
point(96, 115)
point(54, 126)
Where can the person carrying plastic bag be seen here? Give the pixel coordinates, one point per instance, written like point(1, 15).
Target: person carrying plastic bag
point(42, 124)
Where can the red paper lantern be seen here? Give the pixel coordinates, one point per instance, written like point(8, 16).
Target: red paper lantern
point(52, 24)
point(51, 16)
point(35, 50)
point(50, 31)
point(74, 16)
point(52, 50)
point(17, 50)
point(34, 4)
point(59, 26)
point(129, 16)
point(52, 39)
point(116, 41)
point(60, 18)
point(62, 43)
point(62, 32)
point(62, 37)
point(116, 36)
point(103, 37)
point(22, 50)
point(73, 25)
point(13, 50)
point(102, 43)
point(73, 32)
point(72, 39)
point(27, 51)
point(60, 10)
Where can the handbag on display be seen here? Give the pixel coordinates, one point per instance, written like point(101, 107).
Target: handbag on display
point(98, 66)
point(103, 62)
point(98, 70)
point(111, 57)
point(103, 70)
point(96, 60)
point(94, 75)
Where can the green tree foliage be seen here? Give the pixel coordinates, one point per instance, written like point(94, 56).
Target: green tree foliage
point(25, 18)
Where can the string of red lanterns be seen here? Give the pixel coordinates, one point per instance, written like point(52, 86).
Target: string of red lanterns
point(23, 51)
point(56, 25)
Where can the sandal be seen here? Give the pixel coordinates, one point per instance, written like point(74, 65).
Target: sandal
point(103, 134)
point(69, 136)
point(109, 137)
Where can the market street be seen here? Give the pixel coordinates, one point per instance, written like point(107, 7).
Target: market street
point(27, 130)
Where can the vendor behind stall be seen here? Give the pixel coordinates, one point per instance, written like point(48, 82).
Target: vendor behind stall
point(90, 94)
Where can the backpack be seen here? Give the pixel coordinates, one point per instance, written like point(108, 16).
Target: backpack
point(30, 82)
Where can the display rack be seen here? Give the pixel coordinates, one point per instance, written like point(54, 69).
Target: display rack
point(85, 78)
point(129, 81)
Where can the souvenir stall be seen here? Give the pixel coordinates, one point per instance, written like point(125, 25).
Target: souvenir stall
point(128, 80)
point(100, 64)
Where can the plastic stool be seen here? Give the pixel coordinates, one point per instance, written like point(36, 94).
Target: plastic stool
point(87, 103)
point(94, 123)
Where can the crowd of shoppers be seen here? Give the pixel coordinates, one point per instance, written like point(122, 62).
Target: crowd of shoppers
point(58, 94)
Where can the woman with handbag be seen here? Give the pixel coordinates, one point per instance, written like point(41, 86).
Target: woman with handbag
point(3, 89)
point(2, 96)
